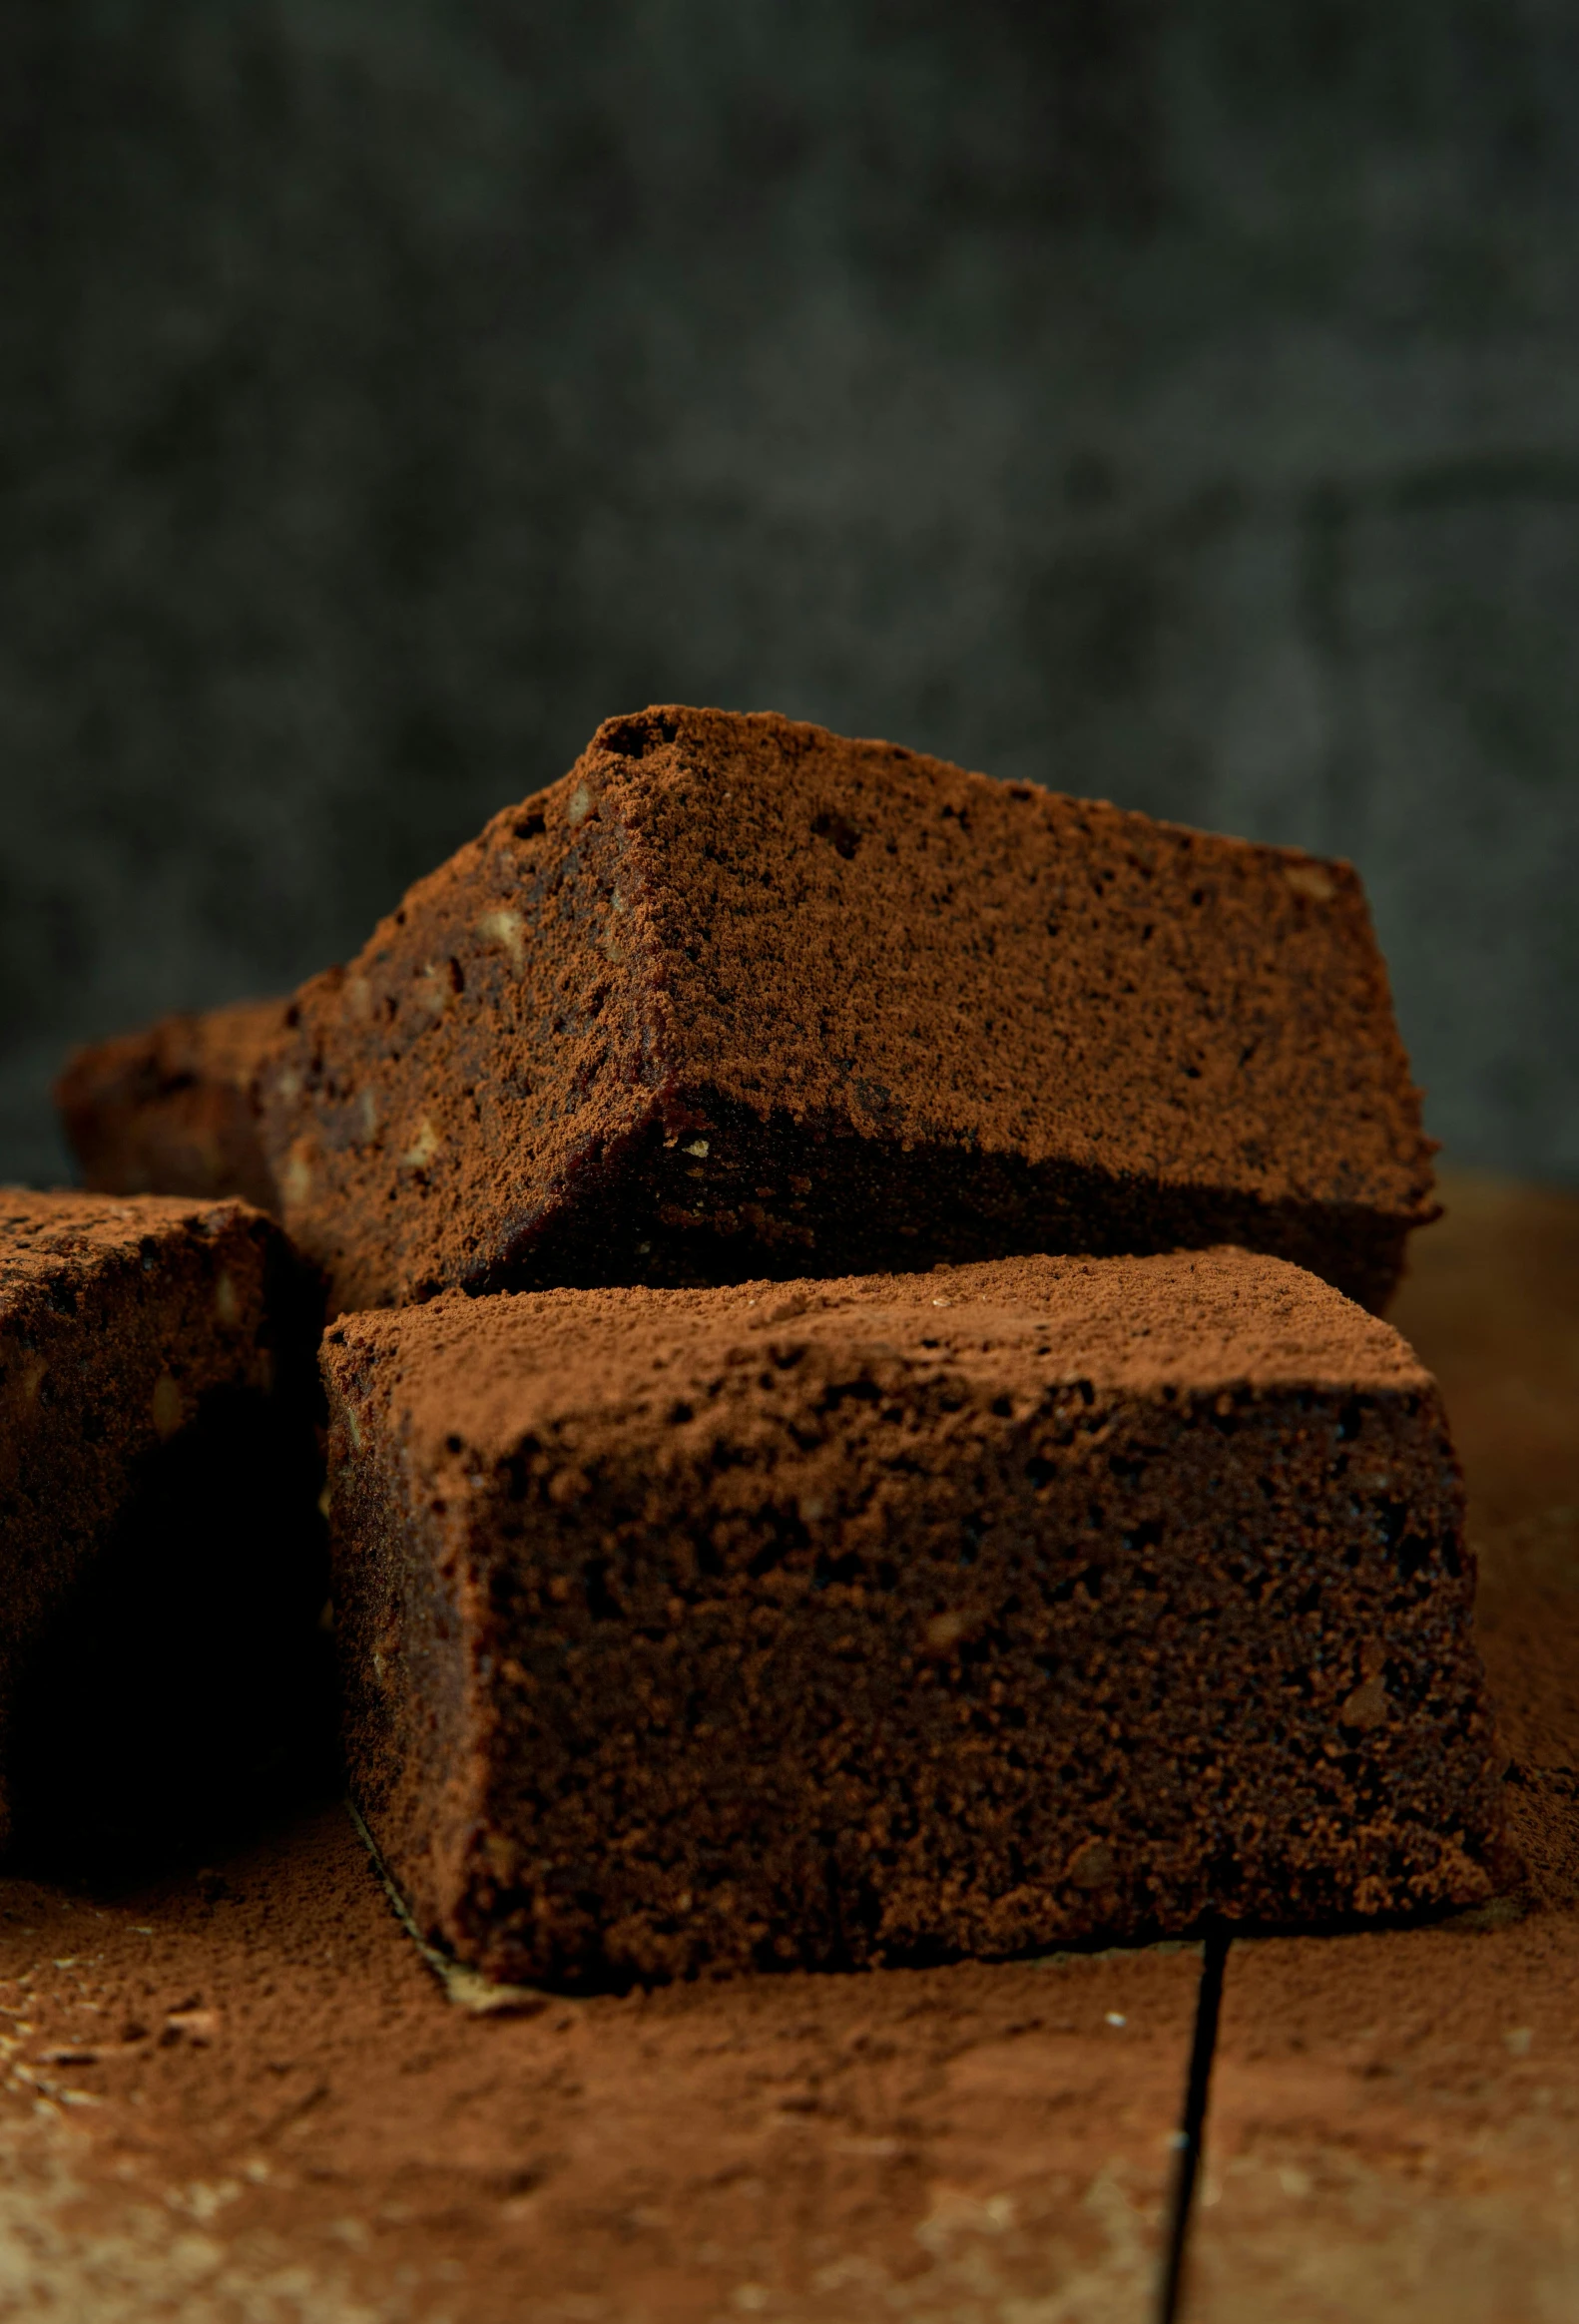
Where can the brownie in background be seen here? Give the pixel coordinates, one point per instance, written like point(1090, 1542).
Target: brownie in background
point(174, 1110)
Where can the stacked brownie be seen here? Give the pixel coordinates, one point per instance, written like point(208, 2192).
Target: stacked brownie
point(749, 1544)
point(738, 997)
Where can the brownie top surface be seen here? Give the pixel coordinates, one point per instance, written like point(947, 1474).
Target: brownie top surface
point(226, 1043)
point(491, 1369)
point(41, 1232)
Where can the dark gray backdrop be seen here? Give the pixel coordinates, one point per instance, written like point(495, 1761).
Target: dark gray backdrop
point(1175, 402)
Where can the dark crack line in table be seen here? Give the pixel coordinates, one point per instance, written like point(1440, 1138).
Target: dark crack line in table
point(1189, 2138)
point(467, 1988)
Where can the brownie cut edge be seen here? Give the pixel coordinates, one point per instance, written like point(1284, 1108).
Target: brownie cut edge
point(890, 1617)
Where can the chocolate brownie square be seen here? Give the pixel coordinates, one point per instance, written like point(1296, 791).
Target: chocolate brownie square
point(877, 1618)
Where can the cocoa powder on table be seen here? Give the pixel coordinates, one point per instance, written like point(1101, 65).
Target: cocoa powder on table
point(261, 2054)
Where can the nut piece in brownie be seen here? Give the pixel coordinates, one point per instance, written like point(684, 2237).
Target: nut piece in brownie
point(742, 997)
point(174, 1110)
point(836, 1621)
point(161, 1561)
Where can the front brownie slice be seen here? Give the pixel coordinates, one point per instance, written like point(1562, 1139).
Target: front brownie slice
point(161, 1561)
point(173, 1110)
point(895, 1615)
point(742, 997)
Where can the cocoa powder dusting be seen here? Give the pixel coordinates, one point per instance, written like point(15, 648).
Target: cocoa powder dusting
point(1191, 1321)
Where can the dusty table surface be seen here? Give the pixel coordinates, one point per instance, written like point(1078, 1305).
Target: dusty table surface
point(241, 2095)
point(259, 2104)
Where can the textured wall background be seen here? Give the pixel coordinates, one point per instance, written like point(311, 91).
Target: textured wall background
point(1175, 402)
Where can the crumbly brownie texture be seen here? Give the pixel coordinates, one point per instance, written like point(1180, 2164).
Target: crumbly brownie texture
point(836, 1621)
point(174, 1110)
point(740, 997)
point(161, 1557)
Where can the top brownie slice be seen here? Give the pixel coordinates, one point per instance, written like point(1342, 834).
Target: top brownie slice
point(740, 997)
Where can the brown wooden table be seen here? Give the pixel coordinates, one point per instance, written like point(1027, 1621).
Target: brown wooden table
point(242, 2098)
